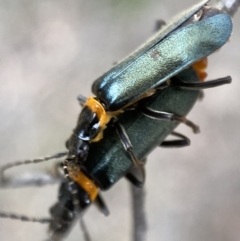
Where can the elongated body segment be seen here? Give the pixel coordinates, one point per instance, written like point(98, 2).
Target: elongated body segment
point(107, 160)
point(168, 55)
point(192, 36)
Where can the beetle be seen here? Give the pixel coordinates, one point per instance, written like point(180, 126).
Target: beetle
point(106, 160)
point(181, 43)
point(94, 165)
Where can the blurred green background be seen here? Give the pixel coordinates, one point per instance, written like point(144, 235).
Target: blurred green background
point(50, 52)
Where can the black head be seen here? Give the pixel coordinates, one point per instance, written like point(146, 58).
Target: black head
point(77, 148)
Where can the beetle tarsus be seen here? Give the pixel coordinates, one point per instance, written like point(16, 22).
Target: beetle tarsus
point(135, 177)
point(182, 142)
point(99, 201)
point(131, 178)
point(201, 85)
point(187, 122)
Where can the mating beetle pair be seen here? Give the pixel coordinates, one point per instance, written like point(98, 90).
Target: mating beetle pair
point(194, 35)
point(98, 160)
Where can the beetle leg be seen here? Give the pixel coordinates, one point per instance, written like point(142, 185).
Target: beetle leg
point(160, 115)
point(187, 122)
point(27, 180)
point(201, 85)
point(99, 201)
point(131, 178)
point(136, 177)
point(182, 142)
point(126, 143)
point(129, 148)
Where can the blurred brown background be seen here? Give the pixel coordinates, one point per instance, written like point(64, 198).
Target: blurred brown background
point(51, 51)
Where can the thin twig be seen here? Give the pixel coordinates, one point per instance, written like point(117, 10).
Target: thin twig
point(229, 6)
point(30, 179)
point(84, 229)
point(139, 217)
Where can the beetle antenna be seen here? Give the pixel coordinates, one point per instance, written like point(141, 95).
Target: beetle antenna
point(24, 218)
point(3, 168)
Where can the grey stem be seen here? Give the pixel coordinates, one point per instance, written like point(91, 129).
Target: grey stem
point(84, 229)
point(229, 6)
point(38, 179)
point(139, 217)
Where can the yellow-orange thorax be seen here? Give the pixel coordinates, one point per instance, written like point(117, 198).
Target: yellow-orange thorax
point(103, 116)
point(84, 182)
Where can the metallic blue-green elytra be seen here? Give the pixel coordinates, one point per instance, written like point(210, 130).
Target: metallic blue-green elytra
point(169, 52)
point(108, 161)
